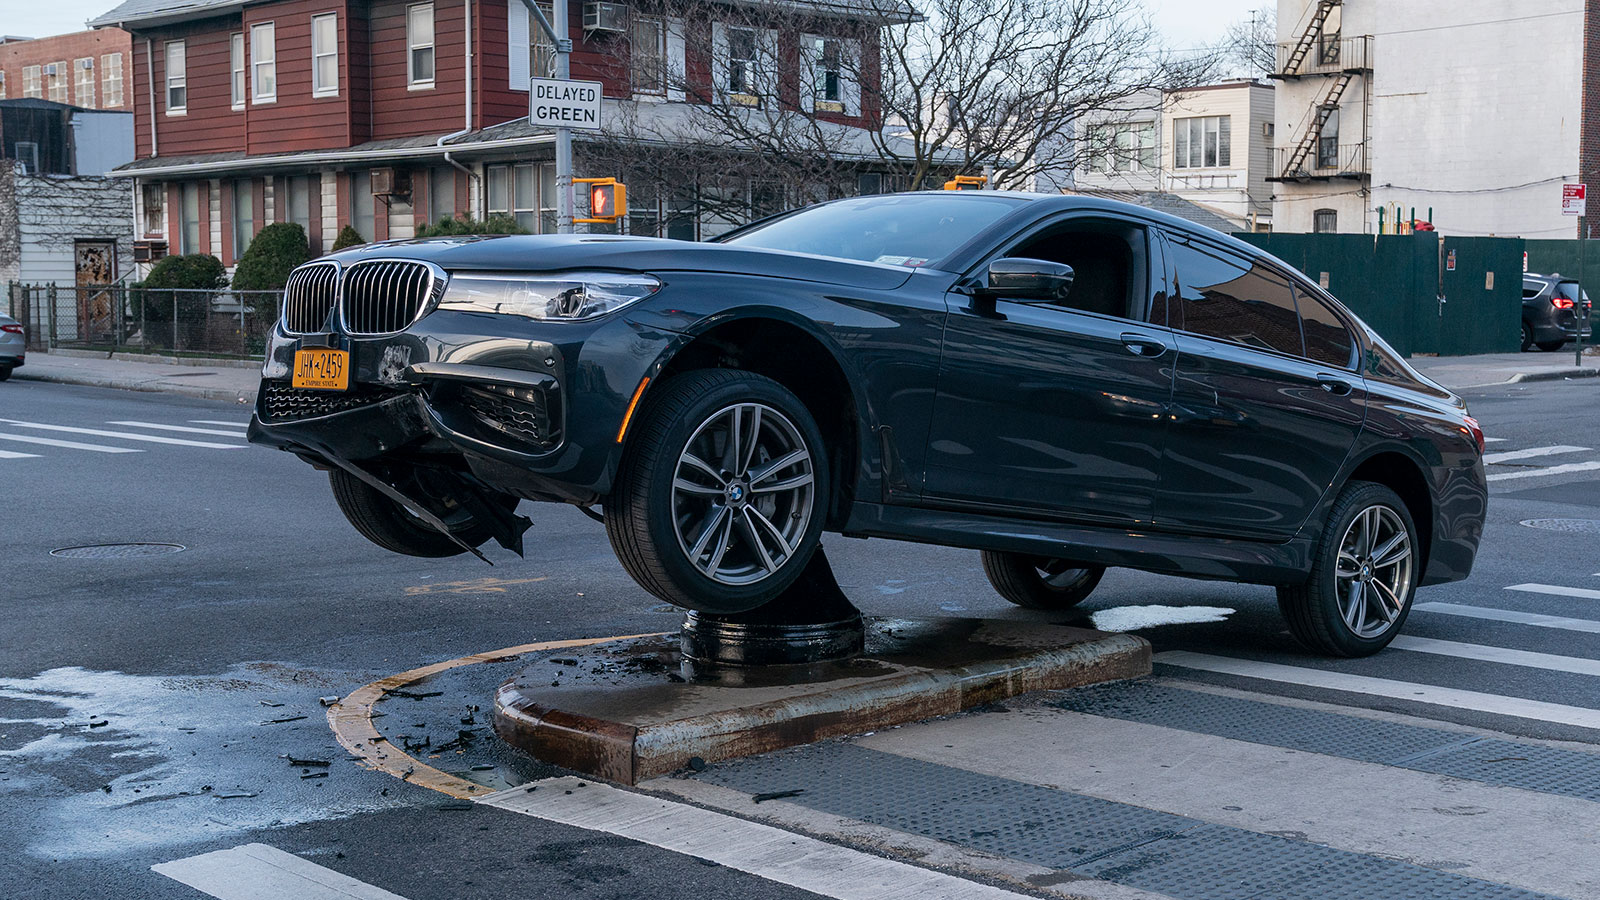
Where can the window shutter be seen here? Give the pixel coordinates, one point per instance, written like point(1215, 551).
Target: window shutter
point(810, 62)
point(719, 62)
point(677, 65)
point(517, 44)
point(1224, 141)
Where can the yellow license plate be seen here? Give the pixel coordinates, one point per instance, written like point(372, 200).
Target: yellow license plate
point(322, 369)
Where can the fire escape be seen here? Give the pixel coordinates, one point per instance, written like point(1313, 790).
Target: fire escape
point(1316, 150)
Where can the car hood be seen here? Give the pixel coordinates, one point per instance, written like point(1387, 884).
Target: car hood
point(556, 252)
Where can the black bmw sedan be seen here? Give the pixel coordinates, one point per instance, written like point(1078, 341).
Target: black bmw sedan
point(1063, 383)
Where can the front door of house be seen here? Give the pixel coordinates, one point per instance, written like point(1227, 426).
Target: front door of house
point(94, 270)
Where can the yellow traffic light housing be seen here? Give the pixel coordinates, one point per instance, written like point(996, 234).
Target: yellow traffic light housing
point(966, 183)
point(608, 200)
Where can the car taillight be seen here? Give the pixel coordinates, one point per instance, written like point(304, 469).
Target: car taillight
point(14, 329)
point(1475, 430)
point(1561, 302)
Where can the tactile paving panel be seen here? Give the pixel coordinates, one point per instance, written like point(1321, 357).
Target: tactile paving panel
point(1531, 767)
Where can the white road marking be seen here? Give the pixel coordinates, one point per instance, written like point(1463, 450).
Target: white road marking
point(151, 438)
point(771, 853)
point(12, 454)
point(1486, 653)
point(220, 422)
point(70, 445)
point(1509, 455)
point(1490, 440)
point(260, 872)
point(1512, 616)
point(1551, 470)
point(1385, 687)
point(1556, 590)
point(183, 428)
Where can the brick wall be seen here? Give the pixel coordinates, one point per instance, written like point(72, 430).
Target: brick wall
point(70, 48)
point(1589, 122)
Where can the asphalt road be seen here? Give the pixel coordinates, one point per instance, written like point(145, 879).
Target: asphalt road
point(147, 703)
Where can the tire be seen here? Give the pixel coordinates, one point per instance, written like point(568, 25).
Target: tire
point(1039, 582)
point(1322, 613)
point(394, 528)
point(1549, 346)
point(1527, 337)
point(5, 372)
point(685, 516)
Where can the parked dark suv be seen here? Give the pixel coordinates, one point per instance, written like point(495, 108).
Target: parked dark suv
point(1063, 383)
point(1550, 313)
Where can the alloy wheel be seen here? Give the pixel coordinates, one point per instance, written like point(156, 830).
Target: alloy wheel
point(743, 493)
point(1058, 573)
point(1374, 572)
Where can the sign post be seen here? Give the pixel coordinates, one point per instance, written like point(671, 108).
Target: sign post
point(562, 104)
point(1575, 202)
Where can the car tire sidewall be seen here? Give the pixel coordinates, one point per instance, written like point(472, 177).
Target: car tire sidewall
point(1527, 337)
point(1358, 497)
point(694, 588)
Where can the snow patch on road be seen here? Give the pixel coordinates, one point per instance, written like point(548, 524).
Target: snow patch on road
point(1133, 618)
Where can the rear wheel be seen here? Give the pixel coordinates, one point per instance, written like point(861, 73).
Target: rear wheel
point(1548, 346)
point(395, 528)
point(5, 372)
point(1039, 582)
point(1527, 336)
point(1363, 577)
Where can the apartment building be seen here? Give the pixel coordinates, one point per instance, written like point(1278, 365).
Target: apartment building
point(389, 114)
point(1471, 109)
point(86, 69)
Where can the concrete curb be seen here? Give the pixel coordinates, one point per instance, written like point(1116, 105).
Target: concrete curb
point(1558, 375)
point(153, 387)
point(209, 362)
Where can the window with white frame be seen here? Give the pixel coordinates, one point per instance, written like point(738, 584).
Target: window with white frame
point(1123, 147)
point(236, 79)
point(111, 80)
point(1328, 142)
point(1202, 142)
point(2, 84)
point(647, 49)
point(525, 192)
point(60, 82)
point(189, 221)
point(154, 198)
point(177, 78)
point(541, 50)
point(83, 82)
point(744, 66)
point(419, 45)
point(441, 193)
point(244, 220)
point(827, 88)
point(27, 156)
point(264, 63)
point(325, 55)
point(363, 211)
point(32, 82)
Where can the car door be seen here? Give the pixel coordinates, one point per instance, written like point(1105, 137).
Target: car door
point(1057, 409)
point(1262, 418)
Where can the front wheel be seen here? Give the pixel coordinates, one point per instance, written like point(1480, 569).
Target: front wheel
point(1363, 577)
point(395, 528)
point(720, 498)
point(1039, 582)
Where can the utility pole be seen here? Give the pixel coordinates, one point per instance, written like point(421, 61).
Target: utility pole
point(560, 37)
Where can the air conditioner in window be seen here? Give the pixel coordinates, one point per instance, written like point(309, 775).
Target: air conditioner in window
point(50, 69)
point(148, 251)
point(605, 17)
point(387, 182)
point(86, 63)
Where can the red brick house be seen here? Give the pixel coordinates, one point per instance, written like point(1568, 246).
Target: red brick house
point(86, 69)
point(388, 114)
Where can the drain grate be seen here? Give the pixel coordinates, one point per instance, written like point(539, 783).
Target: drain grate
point(1570, 526)
point(117, 551)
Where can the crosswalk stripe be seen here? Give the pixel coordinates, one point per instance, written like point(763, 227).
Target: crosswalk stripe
point(771, 853)
point(69, 445)
point(1556, 590)
point(220, 422)
point(182, 428)
point(1509, 615)
point(1490, 440)
point(150, 438)
point(1509, 455)
point(1550, 470)
point(12, 454)
point(260, 872)
point(1385, 687)
point(1485, 653)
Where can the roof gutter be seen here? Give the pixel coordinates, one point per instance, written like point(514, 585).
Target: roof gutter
point(327, 157)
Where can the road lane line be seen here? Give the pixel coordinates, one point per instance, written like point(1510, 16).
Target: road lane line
point(1508, 615)
point(69, 445)
point(775, 854)
point(12, 454)
point(149, 438)
point(1551, 470)
point(1490, 440)
point(1508, 455)
point(1385, 687)
point(260, 872)
point(183, 428)
point(220, 422)
point(1556, 590)
point(1485, 653)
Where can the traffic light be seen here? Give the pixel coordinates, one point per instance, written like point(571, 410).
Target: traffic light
point(966, 183)
point(608, 200)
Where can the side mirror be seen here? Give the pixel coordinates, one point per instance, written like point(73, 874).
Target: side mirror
point(1030, 279)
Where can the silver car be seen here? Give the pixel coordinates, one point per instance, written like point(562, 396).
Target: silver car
point(13, 346)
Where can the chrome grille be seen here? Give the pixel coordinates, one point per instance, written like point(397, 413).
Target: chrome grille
point(308, 298)
point(384, 296)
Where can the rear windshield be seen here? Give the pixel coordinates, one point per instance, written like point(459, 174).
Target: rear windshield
point(899, 230)
point(1569, 290)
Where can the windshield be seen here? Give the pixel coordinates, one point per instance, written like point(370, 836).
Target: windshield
point(896, 229)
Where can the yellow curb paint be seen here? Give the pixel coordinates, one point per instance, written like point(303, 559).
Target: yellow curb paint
point(351, 718)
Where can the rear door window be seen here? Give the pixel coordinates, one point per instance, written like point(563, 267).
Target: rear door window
point(1327, 339)
point(1225, 296)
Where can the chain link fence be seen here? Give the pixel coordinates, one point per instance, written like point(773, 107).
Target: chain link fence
point(136, 319)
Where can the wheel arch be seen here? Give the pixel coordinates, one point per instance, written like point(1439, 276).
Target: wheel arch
point(1407, 477)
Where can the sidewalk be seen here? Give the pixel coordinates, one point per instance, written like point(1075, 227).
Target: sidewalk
point(1484, 370)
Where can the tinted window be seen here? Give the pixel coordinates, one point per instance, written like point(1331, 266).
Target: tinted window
point(1327, 340)
point(902, 230)
point(1108, 265)
point(1225, 297)
point(1384, 362)
point(1531, 289)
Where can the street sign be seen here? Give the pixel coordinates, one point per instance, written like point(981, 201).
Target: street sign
point(1574, 199)
point(561, 103)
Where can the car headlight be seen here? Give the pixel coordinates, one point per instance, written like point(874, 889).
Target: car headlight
point(560, 296)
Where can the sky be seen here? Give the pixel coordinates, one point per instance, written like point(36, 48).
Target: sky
point(1186, 23)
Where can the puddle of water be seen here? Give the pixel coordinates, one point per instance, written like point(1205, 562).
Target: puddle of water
point(1133, 618)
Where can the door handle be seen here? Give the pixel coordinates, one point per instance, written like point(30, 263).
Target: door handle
point(1335, 385)
point(1143, 344)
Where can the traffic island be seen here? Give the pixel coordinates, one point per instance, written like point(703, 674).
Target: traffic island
point(638, 708)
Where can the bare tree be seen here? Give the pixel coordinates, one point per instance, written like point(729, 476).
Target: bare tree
point(1252, 43)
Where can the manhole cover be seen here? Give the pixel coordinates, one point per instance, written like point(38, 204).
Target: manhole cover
point(117, 551)
point(1571, 526)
